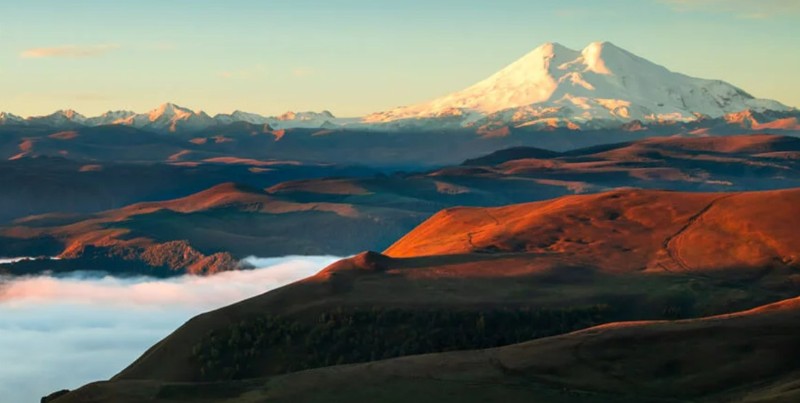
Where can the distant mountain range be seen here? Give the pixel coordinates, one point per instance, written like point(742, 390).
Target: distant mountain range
point(600, 87)
point(171, 118)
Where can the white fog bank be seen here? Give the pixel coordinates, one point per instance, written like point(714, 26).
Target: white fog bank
point(61, 333)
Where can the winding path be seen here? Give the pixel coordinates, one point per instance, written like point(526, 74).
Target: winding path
point(667, 244)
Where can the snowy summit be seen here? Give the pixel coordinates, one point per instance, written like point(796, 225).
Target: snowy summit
point(599, 85)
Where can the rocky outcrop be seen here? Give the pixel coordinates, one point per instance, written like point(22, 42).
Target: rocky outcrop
point(159, 259)
point(179, 255)
point(53, 396)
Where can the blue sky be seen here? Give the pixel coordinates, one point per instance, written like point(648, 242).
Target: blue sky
point(353, 57)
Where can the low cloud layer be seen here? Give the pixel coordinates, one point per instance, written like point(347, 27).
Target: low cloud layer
point(64, 332)
point(68, 51)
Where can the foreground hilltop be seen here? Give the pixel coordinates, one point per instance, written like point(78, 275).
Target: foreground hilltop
point(478, 278)
point(623, 231)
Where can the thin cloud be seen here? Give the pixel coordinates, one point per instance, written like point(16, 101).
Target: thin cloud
point(68, 52)
point(741, 8)
point(301, 72)
point(161, 46)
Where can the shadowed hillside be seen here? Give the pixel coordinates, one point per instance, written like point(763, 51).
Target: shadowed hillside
point(40, 185)
point(748, 356)
point(736, 163)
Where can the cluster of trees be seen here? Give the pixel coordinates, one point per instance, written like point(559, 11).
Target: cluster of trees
point(271, 344)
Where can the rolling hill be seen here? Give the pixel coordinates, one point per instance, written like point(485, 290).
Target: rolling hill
point(202, 233)
point(473, 278)
point(243, 220)
point(85, 187)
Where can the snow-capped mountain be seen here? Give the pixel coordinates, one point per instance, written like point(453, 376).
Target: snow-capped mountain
point(766, 120)
point(239, 116)
point(306, 116)
point(10, 118)
point(109, 118)
point(599, 86)
point(285, 121)
point(58, 119)
point(309, 119)
point(171, 118)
